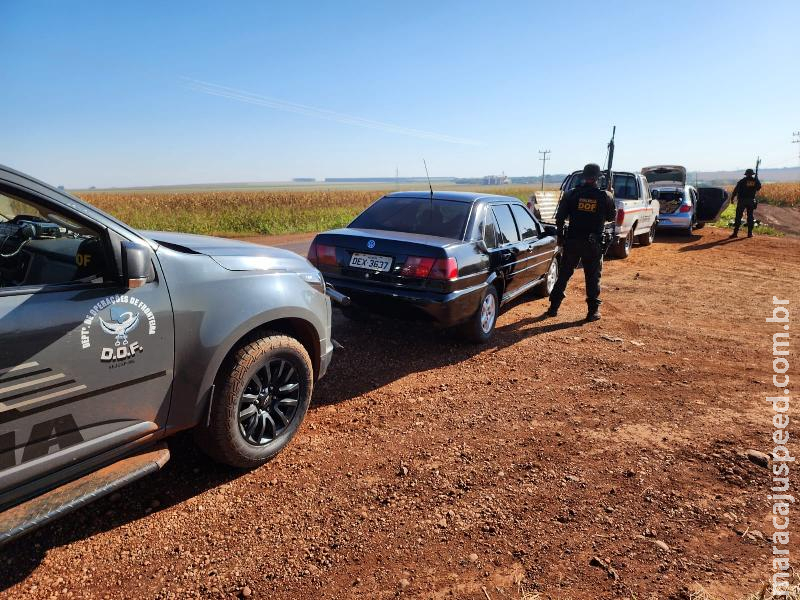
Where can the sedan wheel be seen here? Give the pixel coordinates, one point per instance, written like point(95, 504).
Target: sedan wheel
point(543, 289)
point(488, 313)
point(481, 326)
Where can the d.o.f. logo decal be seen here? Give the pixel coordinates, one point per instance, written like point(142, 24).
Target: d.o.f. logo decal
point(123, 320)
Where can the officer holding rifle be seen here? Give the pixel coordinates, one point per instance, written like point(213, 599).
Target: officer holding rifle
point(588, 208)
point(745, 196)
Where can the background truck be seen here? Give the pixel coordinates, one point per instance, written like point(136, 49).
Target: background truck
point(112, 339)
point(637, 210)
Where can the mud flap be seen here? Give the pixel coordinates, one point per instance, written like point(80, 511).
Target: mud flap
point(28, 516)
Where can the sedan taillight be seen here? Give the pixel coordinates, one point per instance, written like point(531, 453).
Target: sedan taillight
point(425, 267)
point(444, 268)
point(685, 208)
point(417, 267)
point(322, 254)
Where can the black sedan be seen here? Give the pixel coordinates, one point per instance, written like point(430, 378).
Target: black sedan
point(450, 257)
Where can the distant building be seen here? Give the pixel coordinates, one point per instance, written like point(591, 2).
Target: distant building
point(304, 179)
point(496, 180)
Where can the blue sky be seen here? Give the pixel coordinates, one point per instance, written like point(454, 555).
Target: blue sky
point(107, 93)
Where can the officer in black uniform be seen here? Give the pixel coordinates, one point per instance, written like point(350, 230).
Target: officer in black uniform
point(745, 195)
point(588, 208)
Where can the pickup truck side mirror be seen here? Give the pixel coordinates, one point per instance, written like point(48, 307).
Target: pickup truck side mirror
point(136, 264)
point(654, 194)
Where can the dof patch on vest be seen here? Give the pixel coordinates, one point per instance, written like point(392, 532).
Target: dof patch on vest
point(587, 205)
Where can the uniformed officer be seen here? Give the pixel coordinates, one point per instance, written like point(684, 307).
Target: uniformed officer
point(745, 196)
point(588, 209)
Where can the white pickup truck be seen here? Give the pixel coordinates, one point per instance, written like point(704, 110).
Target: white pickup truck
point(637, 211)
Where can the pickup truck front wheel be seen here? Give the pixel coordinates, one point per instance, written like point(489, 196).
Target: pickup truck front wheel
point(263, 396)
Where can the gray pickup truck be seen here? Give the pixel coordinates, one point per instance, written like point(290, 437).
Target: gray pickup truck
point(112, 339)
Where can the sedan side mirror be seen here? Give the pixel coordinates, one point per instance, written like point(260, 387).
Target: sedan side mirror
point(551, 230)
point(136, 264)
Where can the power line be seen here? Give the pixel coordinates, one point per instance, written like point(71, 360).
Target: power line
point(544, 160)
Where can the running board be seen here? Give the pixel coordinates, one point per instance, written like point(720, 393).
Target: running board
point(24, 518)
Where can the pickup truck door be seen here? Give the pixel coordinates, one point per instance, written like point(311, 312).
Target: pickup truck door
point(650, 212)
point(86, 364)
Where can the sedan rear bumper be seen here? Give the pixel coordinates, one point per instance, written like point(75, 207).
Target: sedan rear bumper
point(444, 309)
point(675, 221)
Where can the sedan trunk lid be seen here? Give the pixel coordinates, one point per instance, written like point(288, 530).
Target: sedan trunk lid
point(674, 175)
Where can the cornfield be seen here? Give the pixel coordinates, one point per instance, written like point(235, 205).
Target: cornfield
point(257, 212)
point(780, 194)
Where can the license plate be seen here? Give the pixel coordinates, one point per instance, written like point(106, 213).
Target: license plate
point(371, 262)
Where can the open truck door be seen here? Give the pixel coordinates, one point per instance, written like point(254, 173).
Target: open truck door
point(712, 201)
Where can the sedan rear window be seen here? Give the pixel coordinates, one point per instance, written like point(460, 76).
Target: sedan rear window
point(443, 218)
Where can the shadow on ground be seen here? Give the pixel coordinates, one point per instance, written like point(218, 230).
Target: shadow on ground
point(187, 474)
point(376, 352)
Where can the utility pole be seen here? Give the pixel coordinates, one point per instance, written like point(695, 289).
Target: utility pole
point(544, 160)
point(796, 135)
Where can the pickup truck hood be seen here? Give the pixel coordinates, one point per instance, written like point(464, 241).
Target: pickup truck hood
point(232, 254)
point(665, 175)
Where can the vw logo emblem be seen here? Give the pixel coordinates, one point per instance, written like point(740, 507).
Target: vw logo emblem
point(371, 244)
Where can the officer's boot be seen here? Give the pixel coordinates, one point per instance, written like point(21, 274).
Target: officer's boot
point(594, 313)
point(734, 234)
point(553, 310)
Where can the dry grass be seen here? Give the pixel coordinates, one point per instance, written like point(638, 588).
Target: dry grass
point(264, 212)
point(765, 593)
point(780, 194)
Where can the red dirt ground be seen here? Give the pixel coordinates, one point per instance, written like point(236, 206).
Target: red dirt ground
point(432, 469)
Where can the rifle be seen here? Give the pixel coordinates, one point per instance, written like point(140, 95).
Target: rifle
point(609, 236)
point(755, 198)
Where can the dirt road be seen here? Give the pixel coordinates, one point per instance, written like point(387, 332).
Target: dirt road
point(578, 460)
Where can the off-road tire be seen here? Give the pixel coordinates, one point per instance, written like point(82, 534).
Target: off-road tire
point(222, 439)
point(473, 329)
point(645, 239)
